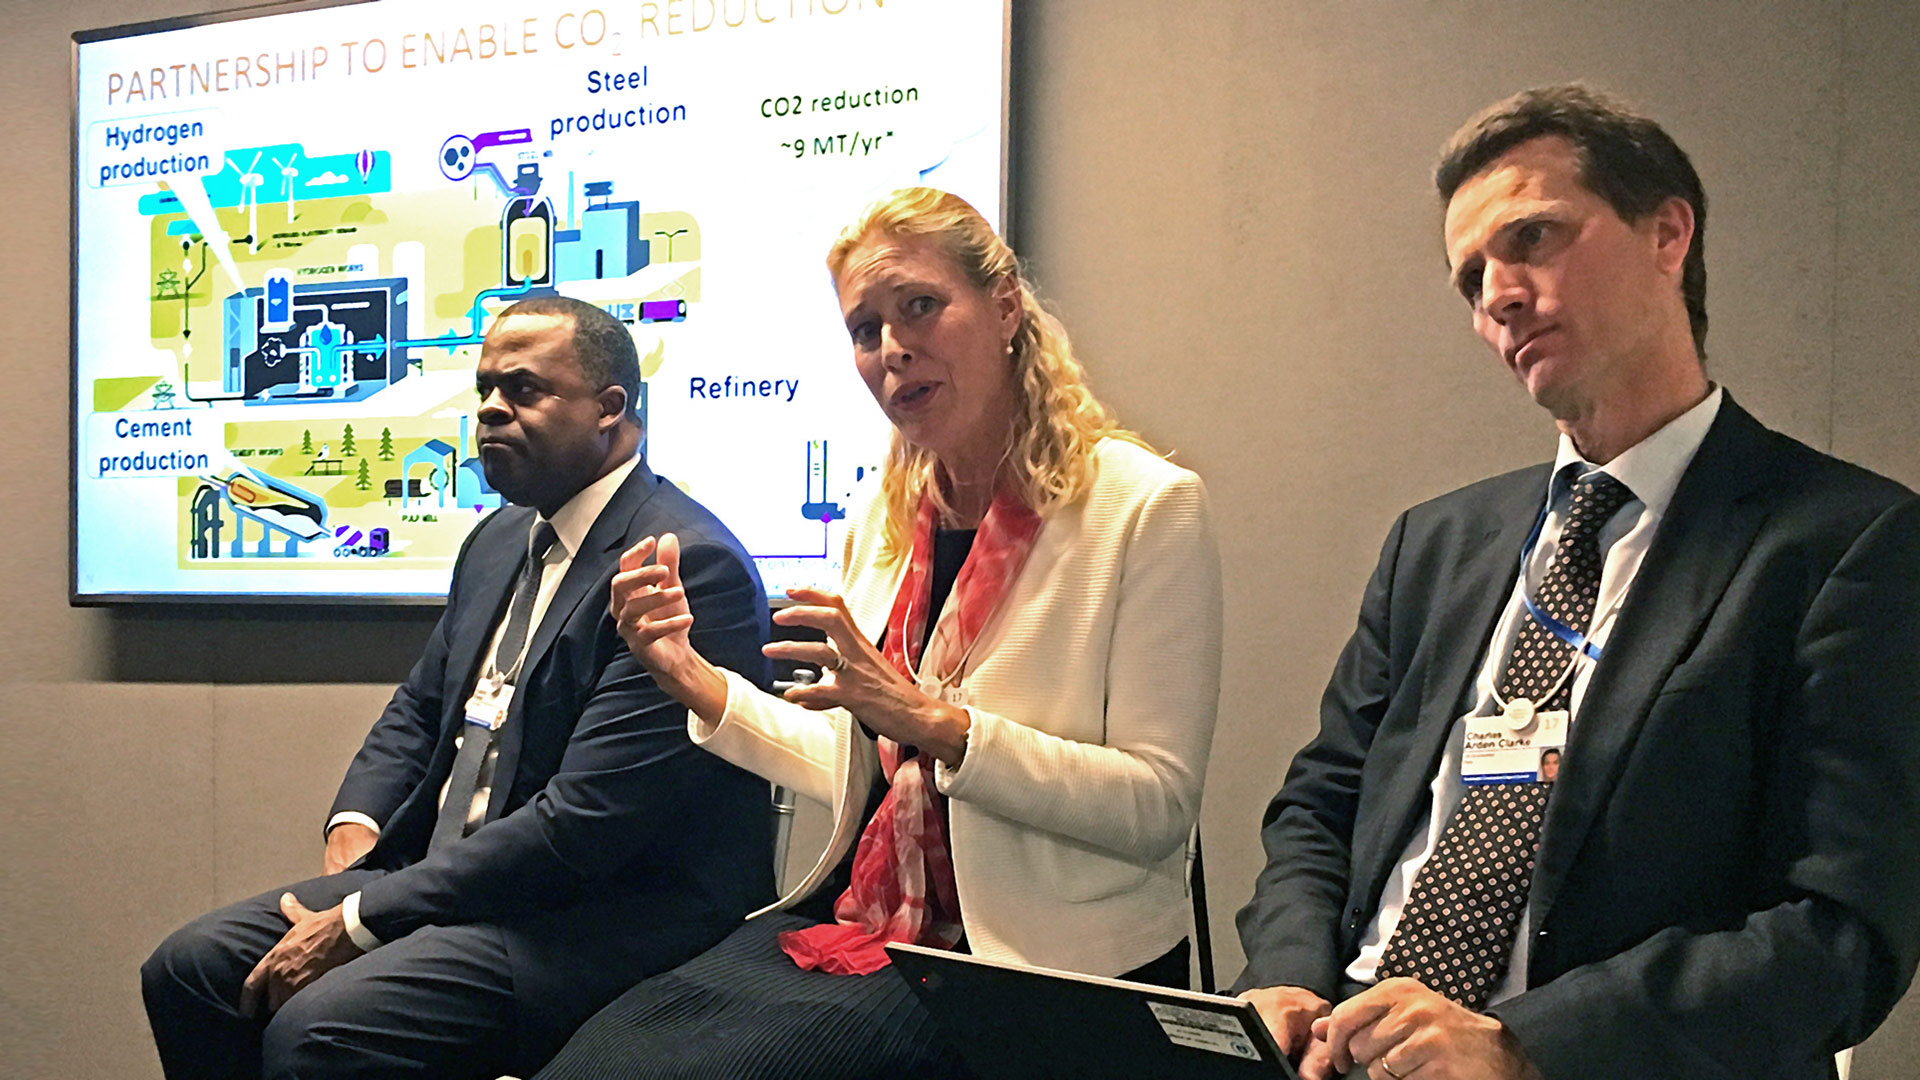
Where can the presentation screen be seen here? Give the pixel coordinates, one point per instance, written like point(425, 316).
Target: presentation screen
point(292, 229)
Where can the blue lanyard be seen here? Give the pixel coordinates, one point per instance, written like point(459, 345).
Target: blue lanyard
point(1559, 629)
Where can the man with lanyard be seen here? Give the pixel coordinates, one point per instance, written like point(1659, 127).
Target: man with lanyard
point(527, 830)
point(1605, 776)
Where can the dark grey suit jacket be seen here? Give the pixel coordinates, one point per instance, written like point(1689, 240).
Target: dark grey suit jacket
point(613, 847)
point(1728, 882)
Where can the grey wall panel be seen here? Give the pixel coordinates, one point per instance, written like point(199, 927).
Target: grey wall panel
point(1876, 325)
point(280, 752)
point(107, 793)
point(1890, 1053)
point(1876, 280)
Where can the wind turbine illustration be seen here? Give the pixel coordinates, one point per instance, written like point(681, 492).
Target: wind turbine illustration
point(288, 174)
point(250, 182)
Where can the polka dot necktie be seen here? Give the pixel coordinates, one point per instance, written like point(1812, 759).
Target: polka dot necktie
point(1456, 931)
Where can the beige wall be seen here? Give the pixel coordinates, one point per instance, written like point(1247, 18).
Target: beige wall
point(1228, 203)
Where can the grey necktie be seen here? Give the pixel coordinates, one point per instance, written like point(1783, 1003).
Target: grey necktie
point(475, 738)
point(1456, 931)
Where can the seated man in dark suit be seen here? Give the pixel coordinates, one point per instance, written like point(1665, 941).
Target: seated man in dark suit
point(1716, 627)
point(527, 830)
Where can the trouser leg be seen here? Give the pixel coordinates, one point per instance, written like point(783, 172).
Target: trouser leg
point(192, 982)
point(436, 1003)
point(743, 1011)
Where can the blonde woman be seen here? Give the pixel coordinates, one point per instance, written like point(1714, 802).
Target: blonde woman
point(1020, 684)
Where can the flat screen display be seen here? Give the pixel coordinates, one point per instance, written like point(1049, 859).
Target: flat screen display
point(292, 229)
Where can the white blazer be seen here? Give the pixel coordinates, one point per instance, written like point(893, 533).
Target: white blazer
point(1092, 694)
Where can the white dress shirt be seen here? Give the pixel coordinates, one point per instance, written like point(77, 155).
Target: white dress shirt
point(1651, 469)
point(570, 526)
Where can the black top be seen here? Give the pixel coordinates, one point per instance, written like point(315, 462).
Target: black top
point(950, 547)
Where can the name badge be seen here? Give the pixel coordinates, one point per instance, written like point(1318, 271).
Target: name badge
point(955, 695)
point(488, 706)
point(1500, 751)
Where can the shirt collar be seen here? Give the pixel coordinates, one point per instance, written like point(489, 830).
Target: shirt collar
point(1650, 468)
point(571, 522)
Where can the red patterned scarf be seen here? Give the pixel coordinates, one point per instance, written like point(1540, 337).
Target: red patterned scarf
point(902, 887)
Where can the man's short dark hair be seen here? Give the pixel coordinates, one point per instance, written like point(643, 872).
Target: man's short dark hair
point(601, 345)
point(1624, 158)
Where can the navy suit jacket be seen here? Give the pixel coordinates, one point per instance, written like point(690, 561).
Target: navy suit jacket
point(1728, 881)
point(610, 840)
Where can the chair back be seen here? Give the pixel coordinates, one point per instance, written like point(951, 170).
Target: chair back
point(1202, 928)
point(785, 802)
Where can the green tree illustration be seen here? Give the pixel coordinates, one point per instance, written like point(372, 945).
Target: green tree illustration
point(386, 444)
point(366, 479)
point(306, 443)
point(346, 442)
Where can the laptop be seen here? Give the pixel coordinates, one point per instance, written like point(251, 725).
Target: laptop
point(1013, 1022)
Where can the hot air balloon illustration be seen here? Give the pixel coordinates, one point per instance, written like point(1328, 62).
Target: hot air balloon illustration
point(364, 162)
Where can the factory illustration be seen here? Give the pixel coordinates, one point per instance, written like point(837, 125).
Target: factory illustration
point(370, 305)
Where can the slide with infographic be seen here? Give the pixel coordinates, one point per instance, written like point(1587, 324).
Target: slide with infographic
point(293, 231)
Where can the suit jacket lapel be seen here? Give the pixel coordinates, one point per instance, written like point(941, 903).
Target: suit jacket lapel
point(1477, 594)
point(1705, 535)
point(590, 566)
point(1474, 592)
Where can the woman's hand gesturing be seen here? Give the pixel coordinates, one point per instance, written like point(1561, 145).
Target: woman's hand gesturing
point(857, 677)
point(649, 607)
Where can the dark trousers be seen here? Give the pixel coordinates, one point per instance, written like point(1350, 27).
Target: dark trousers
point(743, 1011)
point(438, 1002)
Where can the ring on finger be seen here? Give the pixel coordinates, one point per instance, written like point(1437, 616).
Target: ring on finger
point(839, 658)
point(1389, 1070)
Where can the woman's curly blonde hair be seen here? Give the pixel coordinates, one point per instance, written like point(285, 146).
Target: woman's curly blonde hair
point(1050, 459)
